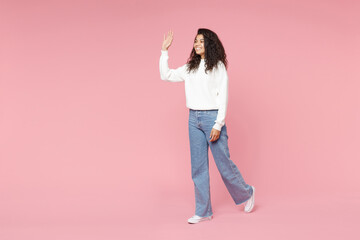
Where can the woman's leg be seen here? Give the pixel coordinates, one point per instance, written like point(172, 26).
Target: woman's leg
point(239, 190)
point(199, 166)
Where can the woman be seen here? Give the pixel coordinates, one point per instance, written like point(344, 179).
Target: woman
point(206, 90)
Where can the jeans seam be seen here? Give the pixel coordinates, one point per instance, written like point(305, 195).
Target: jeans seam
point(236, 176)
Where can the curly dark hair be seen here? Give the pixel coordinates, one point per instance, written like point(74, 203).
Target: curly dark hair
point(214, 52)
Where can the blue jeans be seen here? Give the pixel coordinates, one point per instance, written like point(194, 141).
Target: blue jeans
point(200, 125)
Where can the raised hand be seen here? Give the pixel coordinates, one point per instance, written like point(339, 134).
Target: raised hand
point(167, 40)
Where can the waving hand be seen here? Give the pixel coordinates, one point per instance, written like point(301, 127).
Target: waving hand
point(167, 40)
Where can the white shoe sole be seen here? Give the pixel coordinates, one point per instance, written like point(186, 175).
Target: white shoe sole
point(200, 220)
point(252, 199)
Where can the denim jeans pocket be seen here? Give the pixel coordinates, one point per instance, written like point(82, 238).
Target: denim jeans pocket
point(212, 115)
point(213, 112)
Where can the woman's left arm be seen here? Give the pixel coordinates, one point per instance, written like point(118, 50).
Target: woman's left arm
point(223, 97)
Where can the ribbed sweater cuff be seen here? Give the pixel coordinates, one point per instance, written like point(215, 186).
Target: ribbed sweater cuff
point(217, 126)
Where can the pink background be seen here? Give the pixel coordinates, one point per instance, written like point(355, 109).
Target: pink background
point(95, 146)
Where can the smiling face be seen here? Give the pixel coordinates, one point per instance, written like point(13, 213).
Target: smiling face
point(199, 45)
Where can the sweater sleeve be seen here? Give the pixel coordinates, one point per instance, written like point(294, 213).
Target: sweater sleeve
point(223, 97)
point(170, 75)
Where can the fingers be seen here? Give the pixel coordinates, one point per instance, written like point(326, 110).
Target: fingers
point(168, 38)
point(170, 34)
point(211, 137)
point(214, 136)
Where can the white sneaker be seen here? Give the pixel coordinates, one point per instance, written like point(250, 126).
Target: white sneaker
point(251, 202)
point(197, 219)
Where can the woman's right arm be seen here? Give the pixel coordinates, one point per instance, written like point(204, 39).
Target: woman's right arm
point(170, 75)
point(166, 74)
